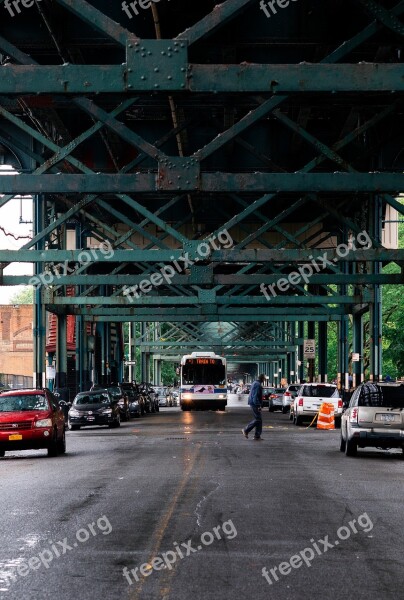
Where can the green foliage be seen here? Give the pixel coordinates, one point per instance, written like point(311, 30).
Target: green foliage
point(24, 296)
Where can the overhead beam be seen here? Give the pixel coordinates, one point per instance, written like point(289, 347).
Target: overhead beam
point(90, 279)
point(303, 78)
point(230, 256)
point(208, 182)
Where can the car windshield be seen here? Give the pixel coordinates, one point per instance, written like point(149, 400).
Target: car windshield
point(115, 392)
point(320, 391)
point(23, 403)
point(293, 388)
point(92, 399)
point(280, 390)
point(373, 395)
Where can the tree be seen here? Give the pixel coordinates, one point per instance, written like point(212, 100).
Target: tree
point(24, 296)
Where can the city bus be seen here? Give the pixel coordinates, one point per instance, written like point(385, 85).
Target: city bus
point(203, 383)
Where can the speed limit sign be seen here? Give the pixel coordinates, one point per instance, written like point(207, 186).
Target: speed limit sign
point(309, 349)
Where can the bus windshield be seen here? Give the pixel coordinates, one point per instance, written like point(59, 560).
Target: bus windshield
point(203, 374)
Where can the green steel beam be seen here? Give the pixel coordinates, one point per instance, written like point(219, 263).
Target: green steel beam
point(240, 318)
point(90, 279)
point(113, 79)
point(209, 182)
point(204, 344)
point(230, 256)
point(201, 299)
point(98, 20)
point(383, 15)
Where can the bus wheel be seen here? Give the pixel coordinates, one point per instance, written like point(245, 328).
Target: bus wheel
point(185, 407)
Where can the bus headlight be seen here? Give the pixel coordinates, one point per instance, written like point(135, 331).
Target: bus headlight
point(222, 396)
point(187, 396)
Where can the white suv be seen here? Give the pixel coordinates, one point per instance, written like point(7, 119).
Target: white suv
point(310, 397)
point(375, 417)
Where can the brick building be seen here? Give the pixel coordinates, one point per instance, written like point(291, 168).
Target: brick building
point(16, 342)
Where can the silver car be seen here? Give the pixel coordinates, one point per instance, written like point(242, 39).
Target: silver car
point(374, 418)
point(289, 396)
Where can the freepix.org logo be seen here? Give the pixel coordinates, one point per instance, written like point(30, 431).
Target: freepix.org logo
point(270, 7)
point(13, 6)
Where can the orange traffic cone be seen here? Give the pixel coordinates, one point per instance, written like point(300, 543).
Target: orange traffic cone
point(326, 416)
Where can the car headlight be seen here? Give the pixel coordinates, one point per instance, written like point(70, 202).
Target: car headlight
point(135, 403)
point(107, 411)
point(44, 423)
point(74, 413)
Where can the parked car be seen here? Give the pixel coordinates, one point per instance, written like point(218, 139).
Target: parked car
point(94, 408)
point(122, 398)
point(309, 398)
point(276, 399)
point(176, 396)
point(150, 397)
point(266, 393)
point(289, 396)
point(135, 396)
point(31, 419)
point(374, 418)
point(163, 401)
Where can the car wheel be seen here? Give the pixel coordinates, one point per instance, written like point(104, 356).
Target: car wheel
point(342, 444)
point(53, 446)
point(297, 420)
point(157, 408)
point(351, 448)
point(73, 427)
point(284, 410)
point(337, 423)
point(271, 408)
point(62, 444)
point(290, 416)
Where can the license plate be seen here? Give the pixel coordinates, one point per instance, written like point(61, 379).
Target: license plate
point(90, 418)
point(387, 418)
point(15, 436)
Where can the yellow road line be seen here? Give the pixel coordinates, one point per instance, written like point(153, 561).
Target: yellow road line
point(159, 534)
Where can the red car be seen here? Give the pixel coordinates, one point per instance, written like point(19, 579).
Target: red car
point(30, 420)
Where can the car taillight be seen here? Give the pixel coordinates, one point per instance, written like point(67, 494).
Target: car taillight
point(340, 403)
point(354, 415)
point(273, 396)
point(300, 401)
point(287, 394)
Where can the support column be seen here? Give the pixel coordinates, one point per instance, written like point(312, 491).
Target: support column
point(343, 359)
point(61, 352)
point(357, 367)
point(300, 355)
point(39, 329)
point(322, 351)
point(375, 317)
point(311, 335)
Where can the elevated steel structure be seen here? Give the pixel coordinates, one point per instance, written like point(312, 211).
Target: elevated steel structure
point(239, 168)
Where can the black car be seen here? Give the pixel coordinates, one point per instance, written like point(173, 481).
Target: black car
point(136, 400)
point(121, 397)
point(94, 408)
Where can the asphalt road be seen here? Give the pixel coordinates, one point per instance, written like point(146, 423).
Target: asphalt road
point(162, 486)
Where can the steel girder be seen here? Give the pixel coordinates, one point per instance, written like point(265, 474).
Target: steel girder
point(258, 257)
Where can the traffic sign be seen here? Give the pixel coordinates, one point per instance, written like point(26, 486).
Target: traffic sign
point(309, 349)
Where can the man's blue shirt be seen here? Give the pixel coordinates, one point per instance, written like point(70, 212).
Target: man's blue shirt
point(255, 395)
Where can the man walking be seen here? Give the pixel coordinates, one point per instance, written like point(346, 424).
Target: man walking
point(255, 401)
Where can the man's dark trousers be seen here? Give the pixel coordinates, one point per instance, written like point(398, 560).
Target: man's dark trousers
point(257, 423)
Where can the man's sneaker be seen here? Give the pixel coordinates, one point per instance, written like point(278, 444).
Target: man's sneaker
point(244, 434)
point(258, 439)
